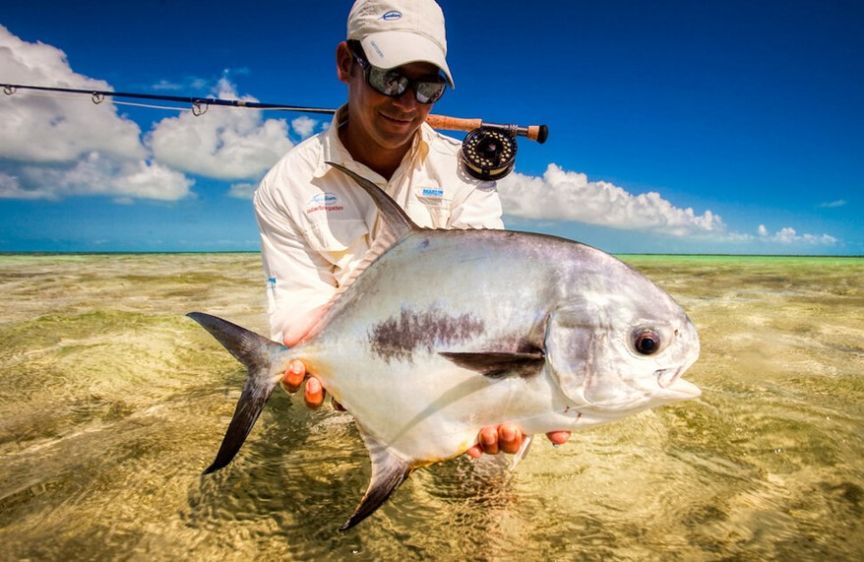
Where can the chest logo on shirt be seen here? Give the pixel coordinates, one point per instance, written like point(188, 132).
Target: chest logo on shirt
point(432, 192)
point(326, 202)
point(432, 197)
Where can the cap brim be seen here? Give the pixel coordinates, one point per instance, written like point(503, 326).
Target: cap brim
point(389, 49)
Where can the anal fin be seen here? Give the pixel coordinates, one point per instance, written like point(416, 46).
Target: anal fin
point(388, 472)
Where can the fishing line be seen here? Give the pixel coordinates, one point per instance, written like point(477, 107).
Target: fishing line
point(488, 151)
point(150, 105)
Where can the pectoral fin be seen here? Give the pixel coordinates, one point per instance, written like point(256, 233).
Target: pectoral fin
point(388, 472)
point(498, 365)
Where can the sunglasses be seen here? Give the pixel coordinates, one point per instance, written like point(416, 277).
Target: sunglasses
point(392, 83)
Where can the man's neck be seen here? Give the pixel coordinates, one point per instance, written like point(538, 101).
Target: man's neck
point(363, 150)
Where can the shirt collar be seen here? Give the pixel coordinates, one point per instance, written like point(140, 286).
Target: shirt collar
point(332, 149)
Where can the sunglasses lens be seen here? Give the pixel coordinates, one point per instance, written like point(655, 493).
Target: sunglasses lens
point(388, 83)
point(393, 83)
point(429, 92)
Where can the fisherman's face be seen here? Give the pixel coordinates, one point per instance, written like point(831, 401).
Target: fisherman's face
point(390, 123)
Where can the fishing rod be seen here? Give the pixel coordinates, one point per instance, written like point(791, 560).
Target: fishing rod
point(488, 151)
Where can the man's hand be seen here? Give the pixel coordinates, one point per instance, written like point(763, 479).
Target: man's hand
point(313, 394)
point(507, 438)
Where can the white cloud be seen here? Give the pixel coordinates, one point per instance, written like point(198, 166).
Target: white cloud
point(163, 84)
point(59, 145)
point(222, 143)
point(563, 195)
point(788, 236)
point(188, 83)
point(832, 204)
point(303, 126)
point(45, 128)
point(151, 180)
point(560, 195)
point(242, 190)
point(96, 174)
point(10, 188)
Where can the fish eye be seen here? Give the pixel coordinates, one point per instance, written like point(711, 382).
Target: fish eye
point(646, 341)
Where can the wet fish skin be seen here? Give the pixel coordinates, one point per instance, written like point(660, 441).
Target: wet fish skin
point(445, 332)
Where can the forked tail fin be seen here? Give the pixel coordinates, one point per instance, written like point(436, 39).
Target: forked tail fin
point(256, 353)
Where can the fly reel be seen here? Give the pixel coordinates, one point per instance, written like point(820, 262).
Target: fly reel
point(488, 153)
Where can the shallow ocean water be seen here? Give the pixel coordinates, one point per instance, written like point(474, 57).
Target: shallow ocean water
point(112, 403)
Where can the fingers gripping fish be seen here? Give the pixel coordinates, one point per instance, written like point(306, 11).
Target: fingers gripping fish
point(442, 332)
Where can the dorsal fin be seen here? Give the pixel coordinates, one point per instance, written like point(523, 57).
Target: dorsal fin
point(395, 222)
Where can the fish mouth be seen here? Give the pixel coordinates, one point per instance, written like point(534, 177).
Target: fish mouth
point(667, 377)
point(671, 382)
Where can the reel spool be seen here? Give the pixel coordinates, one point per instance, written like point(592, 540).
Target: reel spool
point(488, 153)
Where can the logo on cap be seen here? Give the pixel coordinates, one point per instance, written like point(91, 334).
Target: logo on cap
point(392, 15)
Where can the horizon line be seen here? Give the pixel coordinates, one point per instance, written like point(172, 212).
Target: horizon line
point(181, 252)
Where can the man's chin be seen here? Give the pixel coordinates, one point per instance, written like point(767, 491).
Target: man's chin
point(392, 139)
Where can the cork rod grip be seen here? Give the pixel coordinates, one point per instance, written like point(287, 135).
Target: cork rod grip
point(537, 133)
point(453, 123)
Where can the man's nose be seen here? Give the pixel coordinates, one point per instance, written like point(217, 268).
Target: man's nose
point(408, 100)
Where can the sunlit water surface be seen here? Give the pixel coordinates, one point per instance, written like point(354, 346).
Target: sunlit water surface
point(112, 402)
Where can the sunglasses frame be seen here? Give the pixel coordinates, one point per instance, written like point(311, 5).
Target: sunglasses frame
point(381, 76)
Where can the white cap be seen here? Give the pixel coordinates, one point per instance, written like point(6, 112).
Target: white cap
point(395, 32)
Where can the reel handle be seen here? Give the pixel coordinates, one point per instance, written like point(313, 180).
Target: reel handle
point(537, 133)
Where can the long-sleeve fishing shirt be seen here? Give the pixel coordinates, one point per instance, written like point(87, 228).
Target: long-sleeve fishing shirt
point(316, 223)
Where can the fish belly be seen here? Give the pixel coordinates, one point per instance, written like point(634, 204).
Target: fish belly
point(431, 410)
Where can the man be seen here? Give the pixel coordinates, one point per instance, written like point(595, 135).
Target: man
point(316, 225)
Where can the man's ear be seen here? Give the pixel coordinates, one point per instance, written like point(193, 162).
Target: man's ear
point(344, 62)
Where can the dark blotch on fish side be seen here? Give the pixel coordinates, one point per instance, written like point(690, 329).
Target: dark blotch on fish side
point(398, 337)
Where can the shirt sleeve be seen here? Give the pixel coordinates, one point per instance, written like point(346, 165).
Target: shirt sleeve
point(478, 207)
point(299, 280)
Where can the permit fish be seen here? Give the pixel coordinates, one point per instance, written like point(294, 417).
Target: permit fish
point(439, 333)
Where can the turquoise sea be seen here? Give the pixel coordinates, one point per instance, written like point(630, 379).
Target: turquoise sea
point(112, 402)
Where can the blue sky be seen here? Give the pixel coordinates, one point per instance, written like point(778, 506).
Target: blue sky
point(722, 127)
